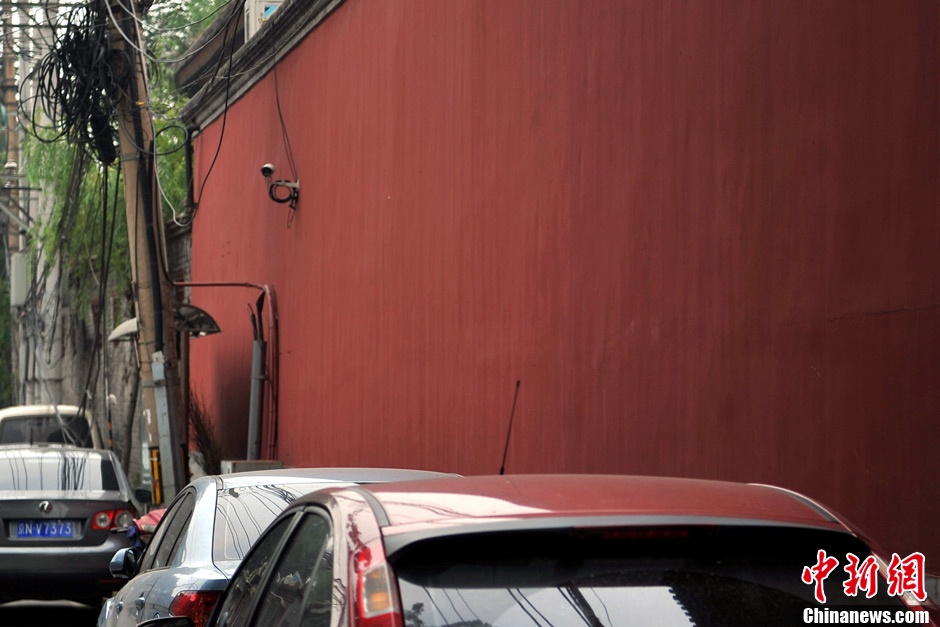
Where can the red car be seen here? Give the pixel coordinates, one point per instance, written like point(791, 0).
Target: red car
point(559, 551)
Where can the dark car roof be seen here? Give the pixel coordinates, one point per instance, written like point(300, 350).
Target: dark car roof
point(448, 503)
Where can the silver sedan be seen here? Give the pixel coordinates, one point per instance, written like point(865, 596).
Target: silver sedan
point(206, 531)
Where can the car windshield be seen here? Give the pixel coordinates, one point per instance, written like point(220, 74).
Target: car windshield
point(56, 470)
point(72, 430)
point(673, 577)
point(243, 513)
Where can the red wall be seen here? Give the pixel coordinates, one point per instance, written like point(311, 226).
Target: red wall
point(703, 235)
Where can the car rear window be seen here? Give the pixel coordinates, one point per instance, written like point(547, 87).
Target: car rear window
point(71, 430)
point(67, 472)
point(623, 577)
point(243, 513)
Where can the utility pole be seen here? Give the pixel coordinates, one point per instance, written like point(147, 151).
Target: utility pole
point(156, 337)
point(11, 167)
point(9, 107)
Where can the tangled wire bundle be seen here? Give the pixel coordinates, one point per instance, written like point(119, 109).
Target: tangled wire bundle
point(78, 82)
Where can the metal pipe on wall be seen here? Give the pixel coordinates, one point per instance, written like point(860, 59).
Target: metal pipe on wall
point(255, 398)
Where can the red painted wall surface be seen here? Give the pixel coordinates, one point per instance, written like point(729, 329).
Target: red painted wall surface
point(703, 235)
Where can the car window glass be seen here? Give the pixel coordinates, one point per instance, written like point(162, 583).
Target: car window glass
point(242, 513)
point(179, 552)
point(56, 470)
point(319, 596)
point(170, 532)
point(69, 430)
point(244, 586)
point(305, 567)
point(675, 576)
point(108, 476)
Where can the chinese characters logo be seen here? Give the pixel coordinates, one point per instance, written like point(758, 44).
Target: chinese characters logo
point(903, 575)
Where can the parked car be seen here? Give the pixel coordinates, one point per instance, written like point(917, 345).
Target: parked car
point(61, 424)
point(604, 551)
point(206, 531)
point(58, 506)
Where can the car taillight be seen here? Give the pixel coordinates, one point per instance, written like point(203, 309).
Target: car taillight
point(376, 600)
point(102, 520)
point(196, 604)
point(111, 518)
point(124, 518)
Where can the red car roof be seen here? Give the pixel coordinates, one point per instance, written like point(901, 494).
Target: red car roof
point(464, 500)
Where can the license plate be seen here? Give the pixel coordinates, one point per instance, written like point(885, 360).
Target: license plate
point(45, 529)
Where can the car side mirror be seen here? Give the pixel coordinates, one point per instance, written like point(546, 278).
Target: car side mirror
point(168, 621)
point(124, 563)
point(143, 496)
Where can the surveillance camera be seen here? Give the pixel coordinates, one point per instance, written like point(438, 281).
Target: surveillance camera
point(267, 170)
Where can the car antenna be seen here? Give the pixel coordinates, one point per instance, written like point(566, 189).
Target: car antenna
point(512, 413)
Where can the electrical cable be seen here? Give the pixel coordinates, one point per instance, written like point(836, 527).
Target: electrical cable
point(284, 134)
point(107, 248)
point(75, 84)
point(293, 192)
point(142, 26)
point(218, 150)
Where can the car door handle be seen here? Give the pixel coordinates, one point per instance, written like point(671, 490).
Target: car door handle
point(139, 603)
point(119, 606)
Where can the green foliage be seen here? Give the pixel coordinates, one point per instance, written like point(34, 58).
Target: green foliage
point(85, 228)
point(169, 29)
point(171, 25)
point(83, 216)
